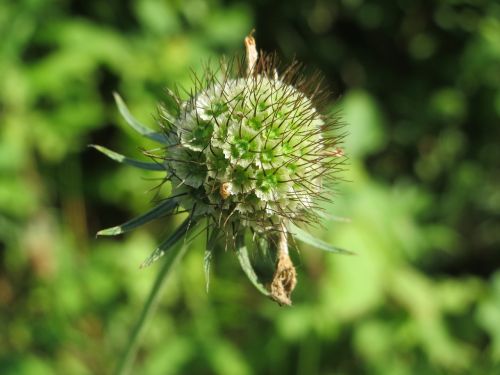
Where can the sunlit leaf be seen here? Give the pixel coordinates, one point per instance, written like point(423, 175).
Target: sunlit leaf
point(307, 238)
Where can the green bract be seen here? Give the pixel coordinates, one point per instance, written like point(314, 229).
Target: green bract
point(249, 154)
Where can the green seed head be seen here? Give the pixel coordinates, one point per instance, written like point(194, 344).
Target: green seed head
point(253, 150)
point(249, 152)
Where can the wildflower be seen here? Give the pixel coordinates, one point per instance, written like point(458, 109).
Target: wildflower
point(249, 154)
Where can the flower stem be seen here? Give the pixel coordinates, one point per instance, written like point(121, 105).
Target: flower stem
point(172, 257)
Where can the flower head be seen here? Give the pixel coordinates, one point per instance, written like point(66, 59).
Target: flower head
point(251, 153)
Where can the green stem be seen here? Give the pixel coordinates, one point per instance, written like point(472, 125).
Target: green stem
point(171, 258)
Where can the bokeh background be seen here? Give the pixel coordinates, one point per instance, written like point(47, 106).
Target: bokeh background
point(417, 82)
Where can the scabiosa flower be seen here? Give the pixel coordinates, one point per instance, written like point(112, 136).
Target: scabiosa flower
point(250, 155)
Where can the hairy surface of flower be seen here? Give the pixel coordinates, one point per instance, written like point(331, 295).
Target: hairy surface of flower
point(249, 149)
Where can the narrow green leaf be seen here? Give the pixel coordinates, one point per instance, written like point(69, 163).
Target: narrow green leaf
point(207, 259)
point(129, 161)
point(163, 208)
point(246, 265)
point(305, 237)
point(168, 243)
point(136, 125)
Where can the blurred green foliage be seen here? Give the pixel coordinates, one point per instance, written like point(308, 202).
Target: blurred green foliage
point(419, 86)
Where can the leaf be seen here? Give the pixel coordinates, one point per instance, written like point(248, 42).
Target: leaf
point(165, 207)
point(207, 259)
point(168, 243)
point(307, 238)
point(136, 125)
point(129, 161)
point(246, 265)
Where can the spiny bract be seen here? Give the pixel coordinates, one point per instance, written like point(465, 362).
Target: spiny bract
point(250, 153)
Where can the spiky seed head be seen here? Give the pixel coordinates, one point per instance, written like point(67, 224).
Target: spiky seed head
point(249, 150)
point(252, 149)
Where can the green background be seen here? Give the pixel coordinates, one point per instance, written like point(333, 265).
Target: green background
point(418, 85)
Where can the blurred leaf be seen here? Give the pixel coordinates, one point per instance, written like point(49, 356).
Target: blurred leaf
point(449, 103)
point(246, 266)
point(170, 357)
point(488, 315)
point(226, 359)
point(229, 25)
point(207, 259)
point(157, 16)
point(366, 126)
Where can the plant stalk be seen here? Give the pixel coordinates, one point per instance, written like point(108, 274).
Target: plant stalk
point(171, 258)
